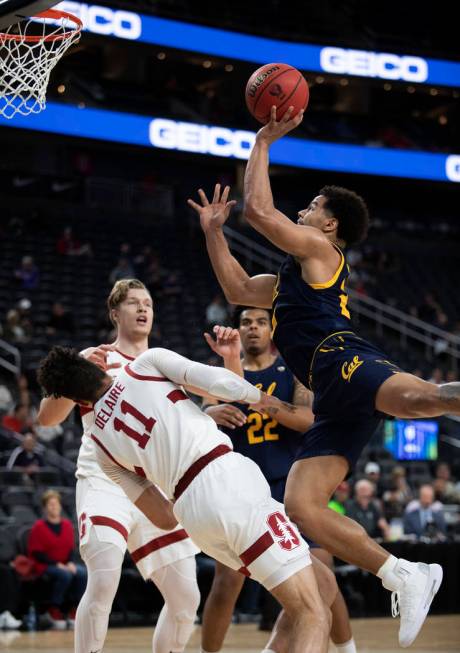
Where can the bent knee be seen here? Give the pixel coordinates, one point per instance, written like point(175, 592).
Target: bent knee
point(327, 583)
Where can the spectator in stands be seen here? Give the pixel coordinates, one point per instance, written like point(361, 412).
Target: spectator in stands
point(122, 270)
point(51, 545)
point(444, 485)
point(372, 472)
point(19, 420)
point(398, 495)
point(172, 287)
point(28, 274)
point(69, 245)
point(25, 457)
point(341, 496)
point(363, 509)
point(428, 310)
point(10, 597)
point(425, 521)
point(61, 321)
point(14, 332)
point(437, 376)
point(24, 308)
point(6, 399)
point(216, 312)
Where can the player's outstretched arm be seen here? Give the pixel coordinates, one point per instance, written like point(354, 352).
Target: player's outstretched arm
point(259, 208)
point(298, 415)
point(237, 285)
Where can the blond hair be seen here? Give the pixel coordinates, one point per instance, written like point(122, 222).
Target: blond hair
point(50, 494)
point(119, 293)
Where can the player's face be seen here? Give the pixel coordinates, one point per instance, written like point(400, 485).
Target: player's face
point(255, 331)
point(134, 315)
point(314, 215)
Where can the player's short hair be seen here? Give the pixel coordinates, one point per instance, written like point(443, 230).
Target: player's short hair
point(50, 494)
point(64, 373)
point(119, 293)
point(350, 210)
point(238, 310)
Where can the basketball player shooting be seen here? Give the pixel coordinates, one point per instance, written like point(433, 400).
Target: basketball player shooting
point(146, 431)
point(353, 382)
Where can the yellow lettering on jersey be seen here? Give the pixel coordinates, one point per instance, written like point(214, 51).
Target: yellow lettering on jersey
point(348, 369)
point(255, 421)
point(344, 301)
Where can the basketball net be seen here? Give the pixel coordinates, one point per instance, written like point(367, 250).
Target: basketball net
point(28, 53)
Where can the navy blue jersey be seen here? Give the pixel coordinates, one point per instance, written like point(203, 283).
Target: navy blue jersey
point(270, 444)
point(305, 314)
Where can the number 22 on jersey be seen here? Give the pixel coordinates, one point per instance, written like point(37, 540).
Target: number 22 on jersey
point(257, 423)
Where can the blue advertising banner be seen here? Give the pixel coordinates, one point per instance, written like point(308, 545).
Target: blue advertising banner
point(164, 133)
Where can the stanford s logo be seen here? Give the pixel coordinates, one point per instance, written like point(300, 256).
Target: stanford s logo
point(348, 369)
point(284, 533)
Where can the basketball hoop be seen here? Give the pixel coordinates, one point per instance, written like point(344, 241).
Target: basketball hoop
point(28, 53)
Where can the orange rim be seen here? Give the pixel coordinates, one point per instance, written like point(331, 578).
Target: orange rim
point(49, 13)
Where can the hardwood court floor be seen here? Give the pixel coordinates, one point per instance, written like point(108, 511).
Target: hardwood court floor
point(439, 635)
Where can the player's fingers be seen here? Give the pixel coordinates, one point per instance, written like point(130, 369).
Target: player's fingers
point(113, 366)
point(225, 194)
point(273, 114)
point(216, 196)
point(228, 333)
point(230, 204)
point(236, 416)
point(288, 114)
point(210, 340)
point(204, 199)
point(194, 205)
point(299, 117)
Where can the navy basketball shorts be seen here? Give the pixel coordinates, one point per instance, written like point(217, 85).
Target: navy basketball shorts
point(345, 375)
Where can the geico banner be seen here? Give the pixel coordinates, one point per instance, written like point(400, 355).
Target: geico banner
point(245, 47)
point(212, 140)
point(374, 64)
point(106, 21)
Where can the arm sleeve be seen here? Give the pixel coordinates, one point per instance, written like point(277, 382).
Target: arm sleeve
point(131, 484)
point(217, 381)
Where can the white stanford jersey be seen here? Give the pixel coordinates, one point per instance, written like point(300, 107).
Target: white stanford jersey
point(87, 465)
point(146, 424)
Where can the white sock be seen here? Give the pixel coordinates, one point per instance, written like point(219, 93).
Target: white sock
point(347, 647)
point(202, 650)
point(394, 572)
point(268, 650)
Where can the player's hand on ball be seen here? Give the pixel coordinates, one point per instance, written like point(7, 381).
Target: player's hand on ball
point(213, 214)
point(98, 356)
point(227, 343)
point(275, 129)
point(226, 415)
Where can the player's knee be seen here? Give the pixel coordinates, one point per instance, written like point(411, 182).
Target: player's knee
point(104, 587)
point(327, 584)
point(184, 624)
point(301, 513)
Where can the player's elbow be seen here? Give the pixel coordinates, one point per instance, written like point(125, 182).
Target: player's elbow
point(254, 211)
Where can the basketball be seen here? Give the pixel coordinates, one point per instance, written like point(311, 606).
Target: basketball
point(276, 84)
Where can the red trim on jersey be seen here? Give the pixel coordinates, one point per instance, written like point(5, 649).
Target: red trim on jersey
point(106, 451)
point(141, 377)
point(256, 549)
point(245, 571)
point(130, 358)
point(158, 543)
point(139, 471)
point(198, 466)
point(84, 410)
point(100, 520)
point(176, 395)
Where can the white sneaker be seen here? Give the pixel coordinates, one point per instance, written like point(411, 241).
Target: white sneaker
point(413, 600)
point(9, 622)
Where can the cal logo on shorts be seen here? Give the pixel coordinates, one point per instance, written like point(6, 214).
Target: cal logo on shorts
point(348, 369)
point(283, 531)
